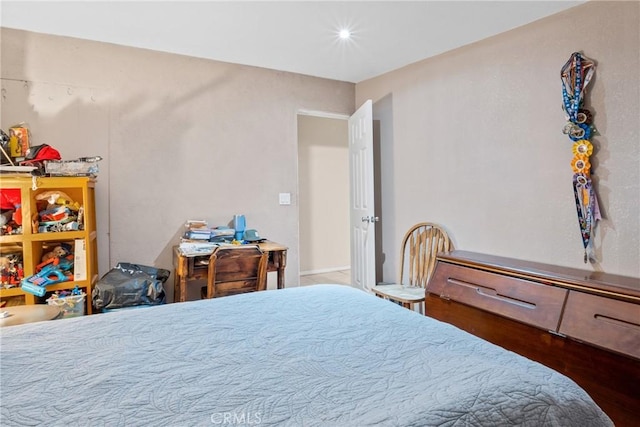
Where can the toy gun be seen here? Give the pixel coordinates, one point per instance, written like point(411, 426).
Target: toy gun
point(50, 274)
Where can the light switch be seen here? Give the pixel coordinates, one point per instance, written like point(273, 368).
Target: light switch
point(285, 198)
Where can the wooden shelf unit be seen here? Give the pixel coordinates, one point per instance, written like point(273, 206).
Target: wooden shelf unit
point(33, 244)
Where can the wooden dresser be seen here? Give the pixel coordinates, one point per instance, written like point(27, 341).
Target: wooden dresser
point(583, 324)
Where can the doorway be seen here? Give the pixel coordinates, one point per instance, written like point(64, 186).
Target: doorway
point(323, 198)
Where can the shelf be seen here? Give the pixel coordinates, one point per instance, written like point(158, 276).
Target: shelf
point(57, 236)
point(11, 238)
point(34, 246)
point(11, 292)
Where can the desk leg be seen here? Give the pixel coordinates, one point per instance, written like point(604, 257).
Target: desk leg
point(176, 286)
point(281, 261)
point(180, 279)
point(280, 277)
point(183, 288)
point(179, 287)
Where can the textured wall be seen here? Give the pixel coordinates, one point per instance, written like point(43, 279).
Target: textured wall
point(183, 138)
point(472, 139)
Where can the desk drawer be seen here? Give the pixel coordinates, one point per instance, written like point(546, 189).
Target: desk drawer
point(522, 300)
point(198, 266)
point(605, 322)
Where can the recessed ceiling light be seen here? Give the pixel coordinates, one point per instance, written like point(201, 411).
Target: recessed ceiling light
point(344, 34)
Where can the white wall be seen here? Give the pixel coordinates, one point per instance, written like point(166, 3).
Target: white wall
point(182, 137)
point(323, 177)
point(472, 139)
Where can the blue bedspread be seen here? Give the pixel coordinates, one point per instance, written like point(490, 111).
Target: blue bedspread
point(324, 355)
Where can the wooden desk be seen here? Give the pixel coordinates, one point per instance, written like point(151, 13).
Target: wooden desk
point(188, 268)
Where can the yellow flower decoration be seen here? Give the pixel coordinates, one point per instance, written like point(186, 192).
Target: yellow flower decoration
point(580, 164)
point(582, 148)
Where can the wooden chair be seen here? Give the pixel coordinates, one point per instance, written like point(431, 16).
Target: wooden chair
point(236, 270)
point(421, 243)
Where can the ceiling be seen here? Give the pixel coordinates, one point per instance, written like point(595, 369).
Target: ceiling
point(295, 36)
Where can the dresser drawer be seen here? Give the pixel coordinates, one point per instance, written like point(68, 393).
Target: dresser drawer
point(605, 322)
point(522, 300)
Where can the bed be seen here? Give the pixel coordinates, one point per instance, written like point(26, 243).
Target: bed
point(325, 355)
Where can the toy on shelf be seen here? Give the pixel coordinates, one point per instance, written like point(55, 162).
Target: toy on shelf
point(11, 270)
point(11, 211)
point(84, 166)
point(50, 272)
point(60, 251)
point(70, 303)
point(65, 293)
point(60, 214)
point(60, 198)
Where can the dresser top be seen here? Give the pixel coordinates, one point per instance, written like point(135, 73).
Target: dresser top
point(586, 280)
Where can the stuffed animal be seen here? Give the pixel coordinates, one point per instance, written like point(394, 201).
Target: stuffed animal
point(57, 252)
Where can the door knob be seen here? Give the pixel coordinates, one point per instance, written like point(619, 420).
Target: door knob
point(370, 219)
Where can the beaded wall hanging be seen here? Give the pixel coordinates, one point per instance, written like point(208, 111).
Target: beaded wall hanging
point(576, 75)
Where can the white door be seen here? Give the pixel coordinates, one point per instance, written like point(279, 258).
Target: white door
point(363, 235)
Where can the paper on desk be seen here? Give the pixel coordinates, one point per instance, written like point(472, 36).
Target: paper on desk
point(197, 248)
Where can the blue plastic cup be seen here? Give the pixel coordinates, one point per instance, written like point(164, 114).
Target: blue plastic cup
point(239, 223)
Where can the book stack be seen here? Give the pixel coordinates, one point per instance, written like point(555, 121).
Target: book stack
point(195, 240)
point(197, 230)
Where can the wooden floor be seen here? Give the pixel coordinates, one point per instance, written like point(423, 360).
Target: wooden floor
point(342, 277)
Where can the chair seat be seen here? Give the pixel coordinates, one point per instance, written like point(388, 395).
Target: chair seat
point(401, 293)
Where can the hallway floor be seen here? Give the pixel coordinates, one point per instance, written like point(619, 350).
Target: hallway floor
point(342, 277)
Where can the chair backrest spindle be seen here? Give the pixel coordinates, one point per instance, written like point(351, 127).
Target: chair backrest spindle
point(422, 243)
